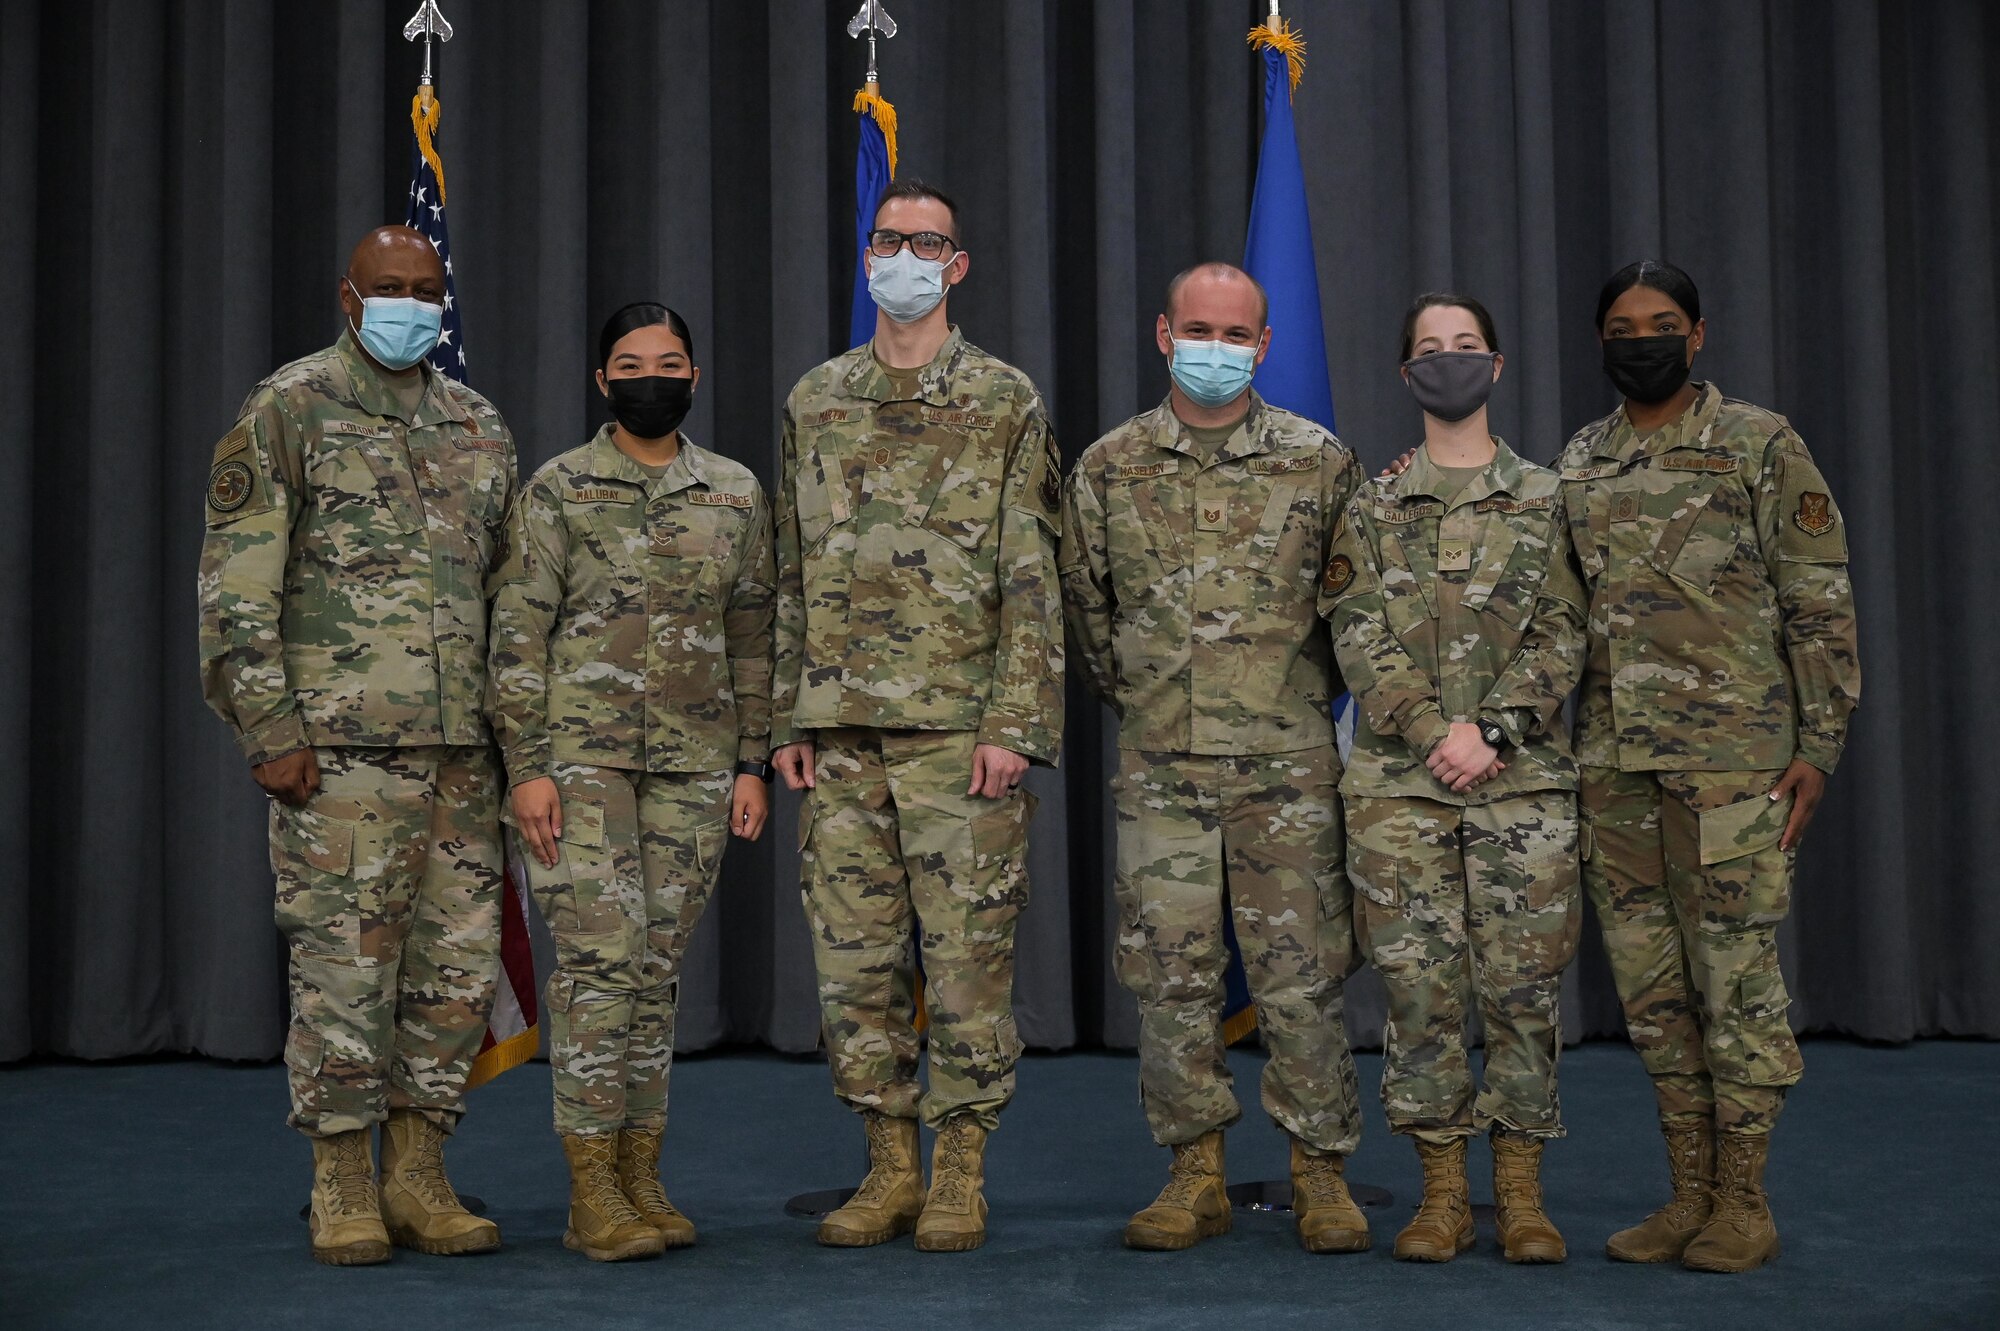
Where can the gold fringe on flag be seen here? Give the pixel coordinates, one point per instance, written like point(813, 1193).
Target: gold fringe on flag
point(1279, 36)
point(426, 110)
point(875, 104)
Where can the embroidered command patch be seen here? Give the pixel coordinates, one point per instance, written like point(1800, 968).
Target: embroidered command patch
point(1339, 573)
point(229, 486)
point(1815, 515)
point(718, 497)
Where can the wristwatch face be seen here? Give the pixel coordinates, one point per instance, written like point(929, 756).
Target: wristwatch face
point(1491, 732)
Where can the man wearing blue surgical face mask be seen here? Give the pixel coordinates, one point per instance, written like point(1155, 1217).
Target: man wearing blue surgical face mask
point(1193, 535)
point(353, 514)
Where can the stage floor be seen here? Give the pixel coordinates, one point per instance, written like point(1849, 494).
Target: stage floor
point(166, 1194)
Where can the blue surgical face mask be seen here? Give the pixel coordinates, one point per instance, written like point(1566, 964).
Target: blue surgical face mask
point(905, 287)
point(398, 331)
point(1212, 373)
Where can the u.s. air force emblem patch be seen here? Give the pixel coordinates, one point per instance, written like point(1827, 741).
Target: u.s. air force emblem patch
point(1339, 573)
point(229, 486)
point(1815, 515)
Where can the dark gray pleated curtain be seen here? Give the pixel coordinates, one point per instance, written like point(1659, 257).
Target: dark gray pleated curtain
point(182, 183)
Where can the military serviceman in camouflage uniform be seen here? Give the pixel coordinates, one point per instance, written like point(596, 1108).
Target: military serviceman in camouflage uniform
point(1722, 671)
point(352, 515)
point(630, 679)
point(1193, 539)
point(919, 672)
point(1458, 624)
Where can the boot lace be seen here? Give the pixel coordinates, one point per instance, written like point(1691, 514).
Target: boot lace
point(599, 1181)
point(1321, 1180)
point(639, 1171)
point(1516, 1180)
point(1692, 1192)
point(951, 1189)
point(1735, 1204)
point(424, 1168)
point(883, 1164)
point(351, 1181)
point(1444, 1187)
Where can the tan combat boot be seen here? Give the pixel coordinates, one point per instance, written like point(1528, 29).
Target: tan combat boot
point(1526, 1232)
point(639, 1176)
point(346, 1207)
point(1322, 1209)
point(1666, 1233)
point(1442, 1226)
point(886, 1204)
point(1193, 1206)
point(418, 1204)
point(603, 1224)
point(954, 1215)
point(1740, 1234)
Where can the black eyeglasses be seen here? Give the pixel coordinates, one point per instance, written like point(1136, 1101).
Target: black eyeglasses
point(931, 245)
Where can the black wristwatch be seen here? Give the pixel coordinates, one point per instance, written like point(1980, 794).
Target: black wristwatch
point(1490, 731)
point(760, 769)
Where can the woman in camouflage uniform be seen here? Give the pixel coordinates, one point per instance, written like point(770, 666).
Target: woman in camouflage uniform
point(1458, 623)
point(1722, 670)
point(630, 691)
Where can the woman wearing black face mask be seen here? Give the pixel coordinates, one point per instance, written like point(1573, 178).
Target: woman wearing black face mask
point(1458, 622)
point(629, 688)
point(1721, 674)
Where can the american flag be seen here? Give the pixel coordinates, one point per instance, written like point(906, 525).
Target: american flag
point(427, 215)
point(511, 1034)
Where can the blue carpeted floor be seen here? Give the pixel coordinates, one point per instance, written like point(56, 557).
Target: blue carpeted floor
point(165, 1194)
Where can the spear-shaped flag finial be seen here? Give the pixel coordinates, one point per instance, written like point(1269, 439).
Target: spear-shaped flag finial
point(871, 18)
point(427, 23)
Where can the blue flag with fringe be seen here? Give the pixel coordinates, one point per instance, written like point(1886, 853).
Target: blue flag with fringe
point(874, 168)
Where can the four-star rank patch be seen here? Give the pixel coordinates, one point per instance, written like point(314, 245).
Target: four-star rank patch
point(1815, 515)
point(1339, 573)
point(230, 486)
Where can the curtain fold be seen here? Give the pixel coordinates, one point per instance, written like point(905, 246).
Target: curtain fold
point(182, 183)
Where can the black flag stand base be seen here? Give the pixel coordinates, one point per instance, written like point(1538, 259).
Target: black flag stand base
point(476, 1205)
point(1275, 1194)
point(818, 1205)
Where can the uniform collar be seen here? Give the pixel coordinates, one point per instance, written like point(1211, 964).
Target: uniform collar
point(866, 378)
point(608, 462)
point(1255, 433)
point(1693, 429)
point(1423, 479)
point(374, 394)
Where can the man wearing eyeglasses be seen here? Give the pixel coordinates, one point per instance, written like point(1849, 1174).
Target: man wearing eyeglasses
point(919, 672)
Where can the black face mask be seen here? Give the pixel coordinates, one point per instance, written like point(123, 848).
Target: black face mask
point(651, 406)
point(1647, 369)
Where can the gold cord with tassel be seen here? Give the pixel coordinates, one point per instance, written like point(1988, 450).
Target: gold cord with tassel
point(1279, 36)
point(425, 112)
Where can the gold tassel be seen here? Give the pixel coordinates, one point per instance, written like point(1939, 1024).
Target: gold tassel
point(1278, 35)
point(875, 104)
point(425, 112)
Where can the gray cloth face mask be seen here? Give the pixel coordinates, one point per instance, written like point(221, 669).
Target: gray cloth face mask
point(1451, 385)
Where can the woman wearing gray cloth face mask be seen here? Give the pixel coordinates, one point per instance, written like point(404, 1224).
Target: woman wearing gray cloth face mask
point(1457, 619)
point(1721, 675)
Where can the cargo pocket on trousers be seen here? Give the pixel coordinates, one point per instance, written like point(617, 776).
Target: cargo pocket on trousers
point(305, 1050)
point(319, 906)
point(1339, 956)
point(1752, 1044)
point(999, 848)
point(1746, 878)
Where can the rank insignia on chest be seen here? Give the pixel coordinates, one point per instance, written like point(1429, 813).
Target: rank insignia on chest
point(1815, 515)
point(229, 486)
point(1454, 556)
point(1209, 517)
point(1339, 573)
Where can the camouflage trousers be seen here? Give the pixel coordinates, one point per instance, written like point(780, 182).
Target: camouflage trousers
point(640, 854)
point(891, 846)
point(1457, 905)
point(1689, 885)
point(1259, 836)
point(389, 902)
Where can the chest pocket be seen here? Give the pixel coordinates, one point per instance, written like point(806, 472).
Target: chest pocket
point(694, 544)
point(959, 496)
point(819, 493)
point(364, 494)
point(476, 466)
point(1512, 564)
point(1289, 535)
point(1144, 548)
point(607, 542)
point(1702, 531)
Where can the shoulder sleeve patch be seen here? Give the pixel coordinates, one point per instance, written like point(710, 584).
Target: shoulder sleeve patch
point(1339, 575)
point(1815, 513)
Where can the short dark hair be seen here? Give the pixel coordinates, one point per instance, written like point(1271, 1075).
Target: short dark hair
point(1432, 300)
point(1218, 266)
point(1654, 275)
point(641, 314)
point(914, 188)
